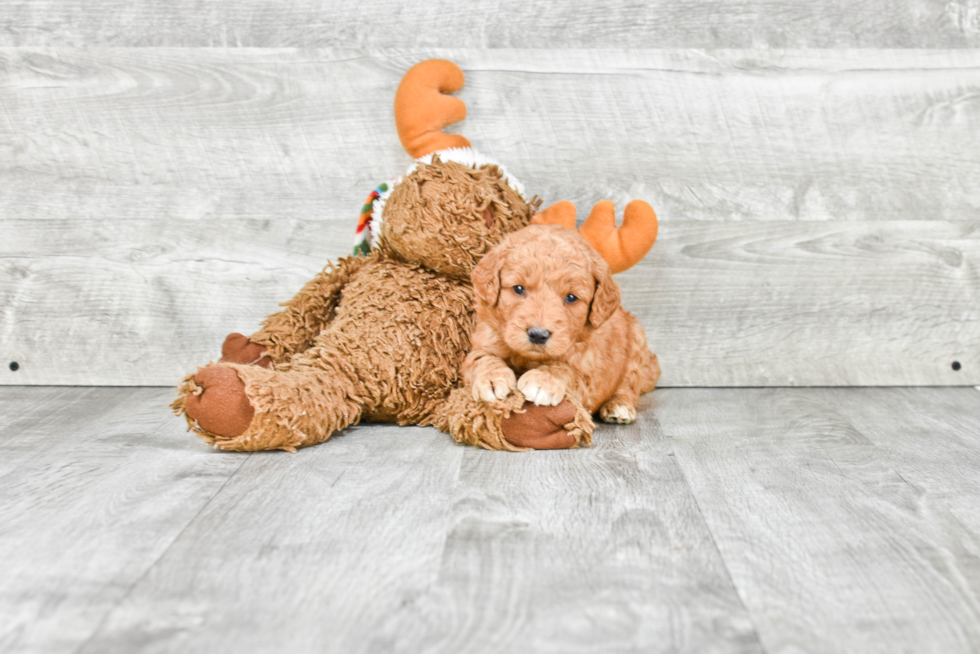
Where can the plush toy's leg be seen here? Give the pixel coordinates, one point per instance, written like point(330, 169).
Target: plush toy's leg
point(296, 328)
point(216, 400)
point(549, 427)
point(237, 348)
point(289, 409)
point(514, 424)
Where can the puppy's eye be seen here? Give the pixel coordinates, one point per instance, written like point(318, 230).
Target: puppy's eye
point(570, 299)
point(519, 289)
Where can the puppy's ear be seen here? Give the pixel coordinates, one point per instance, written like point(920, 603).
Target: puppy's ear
point(486, 276)
point(607, 296)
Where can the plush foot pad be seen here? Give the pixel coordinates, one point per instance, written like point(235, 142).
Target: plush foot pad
point(540, 427)
point(238, 349)
point(619, 413)
point(222, 407)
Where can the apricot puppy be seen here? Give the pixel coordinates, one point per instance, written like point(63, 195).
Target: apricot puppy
point(550, 325)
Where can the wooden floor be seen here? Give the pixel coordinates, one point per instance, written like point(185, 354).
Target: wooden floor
point(735, 520)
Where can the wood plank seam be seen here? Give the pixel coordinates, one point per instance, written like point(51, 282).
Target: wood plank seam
point(714, 543)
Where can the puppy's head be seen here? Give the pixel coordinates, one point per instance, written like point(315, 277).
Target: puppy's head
point(543, 289)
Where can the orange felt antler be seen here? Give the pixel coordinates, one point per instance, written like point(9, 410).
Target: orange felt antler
point(622, 248)
point(422, 109)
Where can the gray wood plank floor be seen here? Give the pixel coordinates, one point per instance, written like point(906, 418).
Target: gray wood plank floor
point(725, 520)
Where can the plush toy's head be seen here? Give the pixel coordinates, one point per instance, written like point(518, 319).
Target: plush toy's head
point(453, 205)
point(446, 215)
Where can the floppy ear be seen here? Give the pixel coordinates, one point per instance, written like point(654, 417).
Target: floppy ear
point(607, 296)
point(486, 276)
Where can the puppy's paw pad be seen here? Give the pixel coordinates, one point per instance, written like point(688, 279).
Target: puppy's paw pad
point(541, 389)
point(620, 414)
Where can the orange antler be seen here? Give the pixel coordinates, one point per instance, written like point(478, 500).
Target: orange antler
point(560, 213)
point(622, 248)
point(422, 109)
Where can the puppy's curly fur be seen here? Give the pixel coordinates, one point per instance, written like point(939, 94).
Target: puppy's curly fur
point(550, 325)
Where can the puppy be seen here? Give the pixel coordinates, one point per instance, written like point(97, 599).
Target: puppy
point(550, 325)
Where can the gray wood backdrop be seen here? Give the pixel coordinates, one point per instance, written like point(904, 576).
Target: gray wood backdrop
point(169, 172)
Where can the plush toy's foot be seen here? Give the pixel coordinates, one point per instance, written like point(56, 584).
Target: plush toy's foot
point(541, 427)
point(221, 407)
point(513, 424)
point(249, 408)
point(238, 349)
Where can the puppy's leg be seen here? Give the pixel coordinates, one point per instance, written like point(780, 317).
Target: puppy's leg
point(647, 367)
point(489, 378)
point(545, 386)
point(641, 376)
point(620, 409)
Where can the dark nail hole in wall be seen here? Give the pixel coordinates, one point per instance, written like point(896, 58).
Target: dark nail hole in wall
point(14, 366)
point(956, 365)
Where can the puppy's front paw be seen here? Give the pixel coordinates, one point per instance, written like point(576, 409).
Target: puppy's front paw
point(494, 385)
point(541, 388)
point(618, 412)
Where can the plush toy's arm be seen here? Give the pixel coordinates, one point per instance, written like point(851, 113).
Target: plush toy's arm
point(295, 328)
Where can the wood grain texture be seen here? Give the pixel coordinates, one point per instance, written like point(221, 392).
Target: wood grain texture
point(598, 550)
point(812, 304)
point(394, 539)
point(312, 552)
point(725, 520)
point(95, 484)
point(832, 547)
point(723, 303)
point(118, 134)
point(937, 452)
point(818, 209)
point(495, 24)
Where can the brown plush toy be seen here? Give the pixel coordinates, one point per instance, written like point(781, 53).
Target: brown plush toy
point(381, 337)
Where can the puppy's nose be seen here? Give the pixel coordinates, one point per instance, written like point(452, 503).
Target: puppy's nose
point(537, 335)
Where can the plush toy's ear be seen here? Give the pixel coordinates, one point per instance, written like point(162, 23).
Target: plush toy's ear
point(421, 109)
point(486, 276)
point(607, 295)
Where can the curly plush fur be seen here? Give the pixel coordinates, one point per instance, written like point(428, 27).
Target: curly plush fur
point(377, 338)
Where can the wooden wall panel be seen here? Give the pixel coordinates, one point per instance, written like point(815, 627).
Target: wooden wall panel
point(724, 304)
point(819, 209)
point(548, 24)
point(736, 135)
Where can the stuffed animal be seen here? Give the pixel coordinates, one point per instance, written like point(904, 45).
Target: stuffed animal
point(381, 336)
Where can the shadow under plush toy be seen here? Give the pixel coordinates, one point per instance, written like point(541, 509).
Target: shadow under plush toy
point(381, 337)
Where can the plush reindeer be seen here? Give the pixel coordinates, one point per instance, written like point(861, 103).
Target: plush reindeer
point(381, 337)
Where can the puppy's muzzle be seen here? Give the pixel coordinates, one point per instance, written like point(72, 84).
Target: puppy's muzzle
point(537, 335)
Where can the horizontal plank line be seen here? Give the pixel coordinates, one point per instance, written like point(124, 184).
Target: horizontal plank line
point(724, 304)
